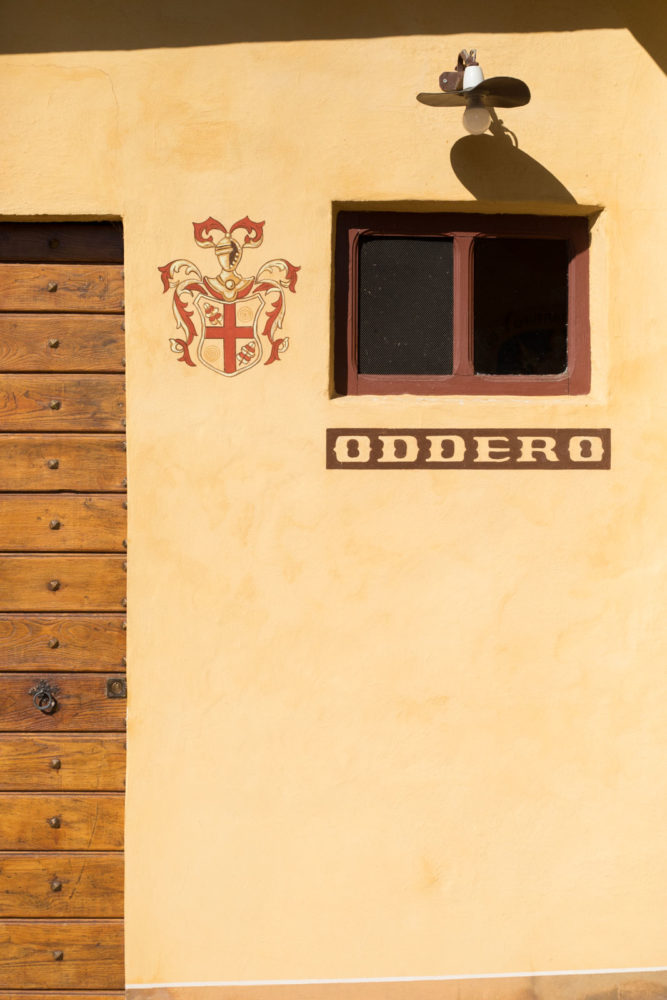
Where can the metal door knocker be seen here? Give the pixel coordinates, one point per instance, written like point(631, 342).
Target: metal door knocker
point(44, 697)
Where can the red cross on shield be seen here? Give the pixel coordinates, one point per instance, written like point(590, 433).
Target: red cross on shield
point(229, 343)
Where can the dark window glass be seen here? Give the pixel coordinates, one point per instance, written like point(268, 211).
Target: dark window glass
point(520, 306)
point(405, 306)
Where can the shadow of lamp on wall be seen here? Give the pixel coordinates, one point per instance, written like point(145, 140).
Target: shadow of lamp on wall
point(492, 166)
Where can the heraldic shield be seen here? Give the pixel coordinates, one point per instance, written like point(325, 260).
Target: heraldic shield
point(230, 341)
point(234, 319)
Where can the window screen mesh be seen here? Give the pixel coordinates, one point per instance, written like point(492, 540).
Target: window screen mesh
point(520, 306)
point(405, 306)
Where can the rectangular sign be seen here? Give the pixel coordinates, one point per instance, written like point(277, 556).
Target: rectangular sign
point(465, 448)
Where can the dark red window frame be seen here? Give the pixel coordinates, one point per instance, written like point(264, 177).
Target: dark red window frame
point(463, 228)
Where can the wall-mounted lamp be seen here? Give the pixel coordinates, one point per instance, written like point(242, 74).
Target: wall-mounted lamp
point(466, 86)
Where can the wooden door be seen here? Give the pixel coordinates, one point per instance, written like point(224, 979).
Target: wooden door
point(62, 610)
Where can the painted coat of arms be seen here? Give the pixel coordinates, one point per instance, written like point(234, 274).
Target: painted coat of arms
point(235, 320)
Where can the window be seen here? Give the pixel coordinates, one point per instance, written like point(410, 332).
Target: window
point(456, 303)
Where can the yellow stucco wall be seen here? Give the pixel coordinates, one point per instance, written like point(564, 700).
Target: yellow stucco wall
point(381, 723)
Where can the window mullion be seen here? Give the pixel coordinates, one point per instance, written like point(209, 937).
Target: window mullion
point(463, 315)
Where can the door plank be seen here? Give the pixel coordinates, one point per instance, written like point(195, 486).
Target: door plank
point(83, 462)
point(66, 342)
point(92, 954)
point(67, 995)
point(62, 523)
point(78, 287)
point(62, 642)
point(62, 242)
point(62, 763)
point(82, 704)
point(62, 402)
point(62, 582)
point(61, 884)
point(59, 995)
point(92, 822)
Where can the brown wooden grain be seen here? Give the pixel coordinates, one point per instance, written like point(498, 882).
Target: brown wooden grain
point(85, 763)
point(84, 402)
point(86, 582)
point(84, 642)
point(86, 462)
point(67, 242)
point(62, 523)
point(88, 822)
point(73, 328)
point(79, 288)
point(67, 995)
point(93, 954)
point(61, 884)
point(82, 704)
point(85, 343)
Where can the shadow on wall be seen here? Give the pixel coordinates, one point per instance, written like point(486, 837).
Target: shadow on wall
point(493, 168)
point(88, 25)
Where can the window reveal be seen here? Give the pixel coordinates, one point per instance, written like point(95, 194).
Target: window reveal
point(441, 303)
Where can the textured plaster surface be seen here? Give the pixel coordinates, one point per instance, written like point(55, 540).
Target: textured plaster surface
point(395, 723)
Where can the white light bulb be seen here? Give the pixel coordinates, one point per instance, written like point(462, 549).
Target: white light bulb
point(476, 119)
